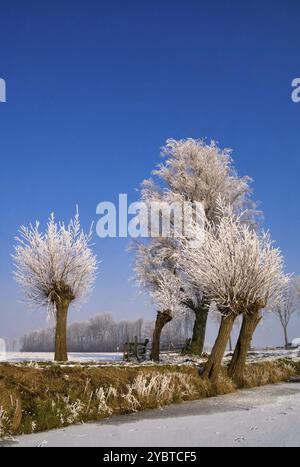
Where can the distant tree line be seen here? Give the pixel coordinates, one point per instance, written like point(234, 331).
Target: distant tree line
point(103, 334)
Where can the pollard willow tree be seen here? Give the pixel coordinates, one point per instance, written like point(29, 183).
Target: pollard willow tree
point(54, 269)
point(216, 317)
point(155, 276)
point(194, 171)
point(240, 272)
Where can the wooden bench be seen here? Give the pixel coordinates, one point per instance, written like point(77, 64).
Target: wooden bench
point(135, 351)
point(186, 349)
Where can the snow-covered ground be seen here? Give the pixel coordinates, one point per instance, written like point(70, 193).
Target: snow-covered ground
point(253, 356)
point(73, 357)
point(265, 416)
point(166, 357)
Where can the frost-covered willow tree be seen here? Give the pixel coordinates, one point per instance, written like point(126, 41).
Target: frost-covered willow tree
point(55, 268)
point(155, 276)
point(194, 171)
point(216, 318)
point(240, 271)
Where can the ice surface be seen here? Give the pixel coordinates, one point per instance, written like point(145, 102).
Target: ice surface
point(265, 416)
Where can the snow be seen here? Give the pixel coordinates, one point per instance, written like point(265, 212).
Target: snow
point(166, 358)
point(270, 354)
point(73, 357)
point(296, 342)
point(265, 416)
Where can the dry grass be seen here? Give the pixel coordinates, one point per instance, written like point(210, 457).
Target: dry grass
point(270, 372)
point(37, 398)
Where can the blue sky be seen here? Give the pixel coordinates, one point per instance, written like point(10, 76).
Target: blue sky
point(94, 89)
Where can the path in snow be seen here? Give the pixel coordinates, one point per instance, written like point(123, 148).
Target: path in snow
point(266, 416)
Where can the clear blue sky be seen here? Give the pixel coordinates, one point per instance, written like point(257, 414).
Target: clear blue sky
point(94, 88)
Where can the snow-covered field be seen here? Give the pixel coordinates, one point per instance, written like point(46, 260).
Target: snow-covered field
point(253, 356)
point(73, 357)
point(166, 358)
point(265, 416)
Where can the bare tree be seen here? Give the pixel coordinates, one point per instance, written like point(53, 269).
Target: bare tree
point(287, 306)
point(54, 269)
point(103, 334)
point(98, 334)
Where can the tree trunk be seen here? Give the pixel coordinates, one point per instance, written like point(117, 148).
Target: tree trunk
point(61, 354)
point(214, 363)
point(197, 343)
point(238, 361)
point(230, 343)
point(162, 318)
point(286, 339)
